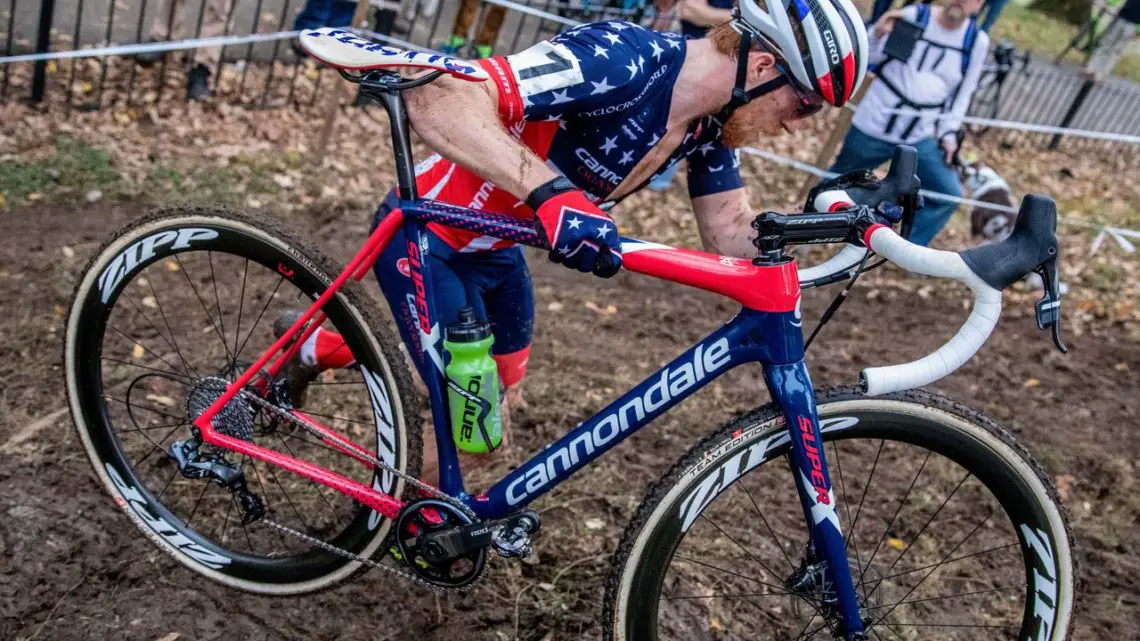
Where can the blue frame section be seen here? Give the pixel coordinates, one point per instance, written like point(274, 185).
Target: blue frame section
point(774, 340)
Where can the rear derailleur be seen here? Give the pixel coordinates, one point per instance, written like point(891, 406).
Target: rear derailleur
point(196, 464)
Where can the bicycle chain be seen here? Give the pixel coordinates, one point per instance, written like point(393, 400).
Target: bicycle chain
point(328, 547)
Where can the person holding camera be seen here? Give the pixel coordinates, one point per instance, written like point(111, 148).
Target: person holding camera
point(928, 60)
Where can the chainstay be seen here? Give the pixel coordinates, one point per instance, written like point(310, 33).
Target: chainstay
point(310, 428)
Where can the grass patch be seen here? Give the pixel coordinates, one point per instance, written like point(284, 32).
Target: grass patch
point(1046, 37)
point(74, 168)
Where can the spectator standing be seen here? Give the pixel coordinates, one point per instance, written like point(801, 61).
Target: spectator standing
point(935, 81)
point(990, 13)
point(324, 13)
point(1112, 43)
point(465, 21)
point(171, 25)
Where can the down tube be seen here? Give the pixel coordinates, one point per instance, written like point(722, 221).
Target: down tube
point(719, 352)
point(791, 388)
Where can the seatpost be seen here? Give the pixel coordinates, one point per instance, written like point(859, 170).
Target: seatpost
point(393, 102)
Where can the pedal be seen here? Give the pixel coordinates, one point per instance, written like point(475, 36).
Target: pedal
point(510, 537)
point(1049, 307)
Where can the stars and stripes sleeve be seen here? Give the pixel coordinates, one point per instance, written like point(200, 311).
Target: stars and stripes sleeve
point(590, 69)
point(713, 168)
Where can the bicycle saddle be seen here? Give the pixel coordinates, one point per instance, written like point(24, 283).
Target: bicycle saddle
point(345, 50)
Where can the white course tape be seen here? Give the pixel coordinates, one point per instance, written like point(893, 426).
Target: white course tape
point(1014, 125)
point(150, 47)
point(522, 8)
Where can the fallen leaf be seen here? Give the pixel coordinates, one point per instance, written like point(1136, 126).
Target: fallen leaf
point(67, 252)
point(609, 310)
point(595, 524)
point(1120, 367)
point(283, 181)
point(897, 544)
point(171, 265)
point(94, 196)
point(149, 301)
point(34, 196)
point(2, 200)
point(138, 351)
point(173, 636)
point(555, 306)
point(59, 310)
point(546, 586)
point(1065, 486)
point(714, 624)
point(161, 400)
point(1033, 382)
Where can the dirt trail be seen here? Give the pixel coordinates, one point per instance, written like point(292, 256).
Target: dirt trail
point(71, 567)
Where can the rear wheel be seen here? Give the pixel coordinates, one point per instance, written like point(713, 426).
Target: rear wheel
point(953, 532)
point(170, 310)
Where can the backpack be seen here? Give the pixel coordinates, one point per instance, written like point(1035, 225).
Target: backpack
point(922, 18)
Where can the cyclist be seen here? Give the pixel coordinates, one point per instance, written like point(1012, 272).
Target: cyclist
point(574, 124)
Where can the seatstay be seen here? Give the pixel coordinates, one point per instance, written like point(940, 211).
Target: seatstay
point(345, 50)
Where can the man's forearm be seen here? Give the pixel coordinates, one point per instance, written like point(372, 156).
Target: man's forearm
point(460, 121)
point(724, 222)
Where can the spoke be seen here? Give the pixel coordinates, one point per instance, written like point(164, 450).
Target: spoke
point(187, 369)
point(720, 569)
point(205, 309)
point(173, 473)
point(730, 596)
point(264, 493)
point(156, 447)
point(947, 596)
point(928, 522)
point(894, 517)
point(145, 348)
point(241, 306)
point(753, 557)
point(194, 511)
point(867, 485)
point(226, 523)
point(806, 626)
point(935, 568)
point(143, 407)
point(850, 541)
point(311, 482)
point(162, 312)
point(218, 302)
point(147, 429)
point(289, 500)
point(948, 625)
point(954, 560)
point(256, 322)
point(175, 377)
point(775, 539)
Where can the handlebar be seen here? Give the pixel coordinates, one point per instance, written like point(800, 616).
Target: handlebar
point(986, 271)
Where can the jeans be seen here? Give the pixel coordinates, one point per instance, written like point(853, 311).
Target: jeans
point(861, 151)
point(325, 13)
point(992, 10)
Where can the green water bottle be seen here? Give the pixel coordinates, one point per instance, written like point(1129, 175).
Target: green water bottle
point(472, 385)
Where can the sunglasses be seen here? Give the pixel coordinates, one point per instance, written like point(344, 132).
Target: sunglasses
point(809, 104)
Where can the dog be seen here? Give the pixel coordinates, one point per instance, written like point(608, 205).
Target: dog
point(987, 224)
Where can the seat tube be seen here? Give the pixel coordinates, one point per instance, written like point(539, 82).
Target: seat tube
point(790, 386)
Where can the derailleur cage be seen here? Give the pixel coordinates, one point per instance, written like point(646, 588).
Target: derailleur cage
point(193, 463)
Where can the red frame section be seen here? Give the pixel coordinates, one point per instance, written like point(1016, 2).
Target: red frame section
point(764, 288)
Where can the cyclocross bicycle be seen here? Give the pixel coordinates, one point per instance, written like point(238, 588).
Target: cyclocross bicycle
point(912, 516)
point(987, 102)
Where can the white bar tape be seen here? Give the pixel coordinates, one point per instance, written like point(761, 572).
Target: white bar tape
point(848, 257)
point(964, 344)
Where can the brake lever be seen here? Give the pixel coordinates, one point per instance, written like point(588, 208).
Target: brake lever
point(1049, 306)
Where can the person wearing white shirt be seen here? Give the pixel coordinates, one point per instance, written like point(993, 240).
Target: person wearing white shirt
point(937, 81)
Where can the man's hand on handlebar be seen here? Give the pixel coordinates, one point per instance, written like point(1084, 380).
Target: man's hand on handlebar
point(580, 235)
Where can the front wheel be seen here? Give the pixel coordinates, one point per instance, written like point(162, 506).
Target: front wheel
point(953, 532)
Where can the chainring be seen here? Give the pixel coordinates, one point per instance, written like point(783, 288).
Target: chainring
point(430, 515)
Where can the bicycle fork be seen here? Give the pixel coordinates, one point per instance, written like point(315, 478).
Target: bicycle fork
point(792, 390)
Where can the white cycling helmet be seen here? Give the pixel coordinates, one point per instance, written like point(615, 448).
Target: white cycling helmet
point(836, 61)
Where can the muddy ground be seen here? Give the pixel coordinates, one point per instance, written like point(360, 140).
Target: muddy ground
point(72, 567)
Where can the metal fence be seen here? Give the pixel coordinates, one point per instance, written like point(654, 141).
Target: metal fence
point(271, 73)
point(262, 74)
point(1044, 94)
